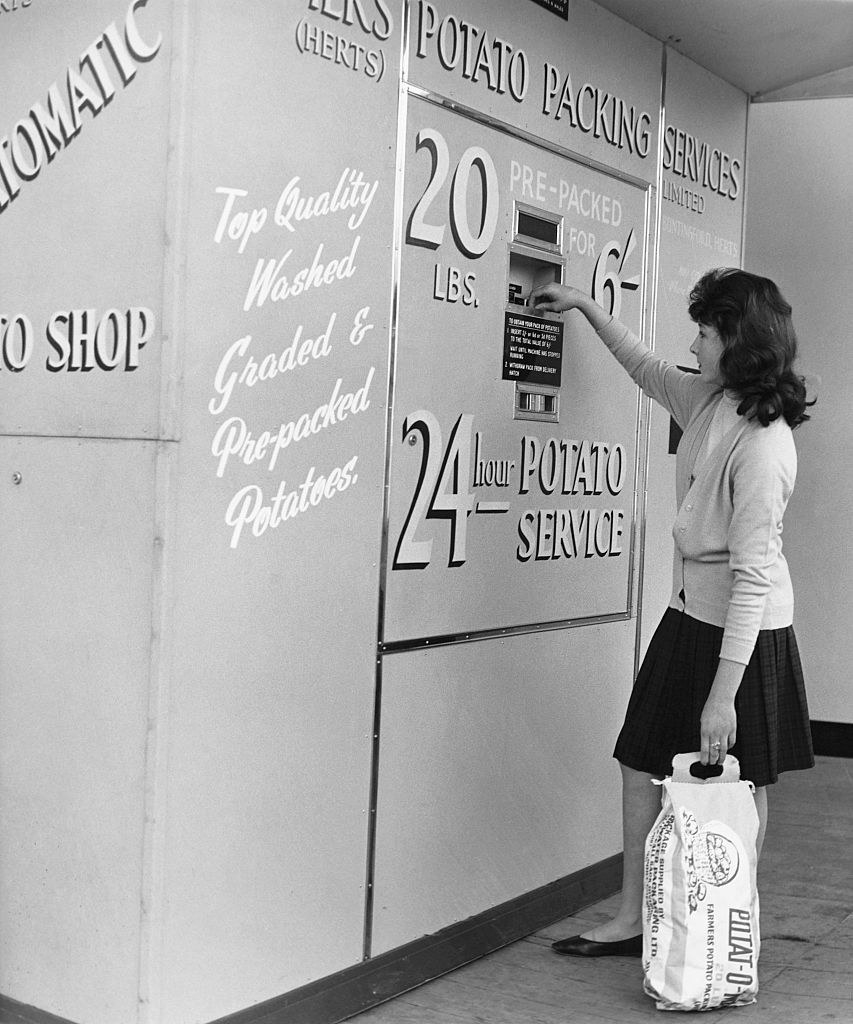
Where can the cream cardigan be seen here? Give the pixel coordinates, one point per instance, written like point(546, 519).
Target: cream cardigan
point(728, 568)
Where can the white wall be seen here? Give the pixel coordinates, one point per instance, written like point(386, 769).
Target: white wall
point(800, 179)
point(187, 714)
point(80, 442)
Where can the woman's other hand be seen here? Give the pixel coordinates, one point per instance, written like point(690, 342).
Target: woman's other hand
point(718, 722)
point(718, 726)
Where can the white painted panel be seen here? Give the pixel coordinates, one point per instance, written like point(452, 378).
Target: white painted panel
point(702, 196)
point(702, 202)
point(797, 233)
point(75, 629)
point(548, 535)
point(496, 772)
point(84, 230)
point(275, 602)
point(589, 81)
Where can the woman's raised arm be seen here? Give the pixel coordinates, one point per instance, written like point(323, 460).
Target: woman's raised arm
point(664, 382)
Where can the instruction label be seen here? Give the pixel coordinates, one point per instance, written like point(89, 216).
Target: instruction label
point(533, 349)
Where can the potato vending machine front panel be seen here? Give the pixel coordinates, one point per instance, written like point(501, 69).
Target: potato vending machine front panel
point(514, 433)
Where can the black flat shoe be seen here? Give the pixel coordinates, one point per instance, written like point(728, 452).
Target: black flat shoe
point(577, 946)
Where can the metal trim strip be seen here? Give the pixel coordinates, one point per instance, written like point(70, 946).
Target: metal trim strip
point(638, 500)
point(519, 133)
point(498, 632)
point(743, 206)
point(653, 241)
point(396, 265)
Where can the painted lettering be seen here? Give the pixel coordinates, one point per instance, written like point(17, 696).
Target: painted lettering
point(250, 509)
point(477, 56)
point(85, 340)
point(35, 139)
point(595, 111)
point(695, 160)
point(238, 368)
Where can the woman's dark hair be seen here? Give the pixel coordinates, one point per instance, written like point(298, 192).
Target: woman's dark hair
point(759, 343)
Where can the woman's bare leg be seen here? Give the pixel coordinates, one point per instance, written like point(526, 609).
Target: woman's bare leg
point(761, 807)
point(641, 803)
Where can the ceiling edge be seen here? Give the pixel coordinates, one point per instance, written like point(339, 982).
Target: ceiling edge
point(832, 85)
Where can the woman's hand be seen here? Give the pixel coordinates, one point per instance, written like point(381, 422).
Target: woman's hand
point(718, 722)
point(554, 298)
point(718, 726)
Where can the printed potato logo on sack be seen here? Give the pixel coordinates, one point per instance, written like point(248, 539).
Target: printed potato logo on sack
point(713, 857)
point(700, 927)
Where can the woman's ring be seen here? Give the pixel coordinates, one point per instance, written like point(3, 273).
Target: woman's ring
point(715, 744)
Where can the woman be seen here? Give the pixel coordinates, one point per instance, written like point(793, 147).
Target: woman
point(722, 673)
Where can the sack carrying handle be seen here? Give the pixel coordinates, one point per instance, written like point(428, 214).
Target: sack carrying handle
point(689, 768)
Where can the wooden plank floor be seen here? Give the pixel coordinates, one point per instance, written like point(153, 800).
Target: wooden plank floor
point(806, 966)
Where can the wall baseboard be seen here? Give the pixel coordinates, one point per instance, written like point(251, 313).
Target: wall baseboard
point(832, 739)
point(358, 988)
point(13, 1012)
point(368, 984)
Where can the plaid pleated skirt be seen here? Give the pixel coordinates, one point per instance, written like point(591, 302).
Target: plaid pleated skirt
point(773, 731)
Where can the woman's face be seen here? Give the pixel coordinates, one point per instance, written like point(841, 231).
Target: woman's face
point(708, 347)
